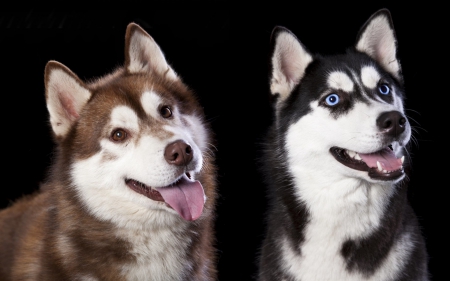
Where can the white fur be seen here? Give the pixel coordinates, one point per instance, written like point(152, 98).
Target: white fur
point(150, 101)
point(370, 77)
point(332, 265)
point(124, 117)
point(160, 253)
point(307, 144)
point(340, 80)
point(199, 134)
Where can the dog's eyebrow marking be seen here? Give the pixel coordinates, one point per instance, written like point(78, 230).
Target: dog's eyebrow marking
point(370, 77)
point(340, 80)
point(124, 117)
point(150, 102)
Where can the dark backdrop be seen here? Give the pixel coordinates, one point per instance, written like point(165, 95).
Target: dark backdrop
point(222, 55)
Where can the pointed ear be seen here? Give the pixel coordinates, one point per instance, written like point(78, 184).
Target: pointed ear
point(142, 54)
point(377, 39)
point(65, 95)
point(289, 61)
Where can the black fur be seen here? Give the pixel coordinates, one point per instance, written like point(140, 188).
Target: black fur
point(284, 209)
point(366, 255)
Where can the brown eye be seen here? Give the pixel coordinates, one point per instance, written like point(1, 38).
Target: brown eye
point(119, 135)
point(165, 111)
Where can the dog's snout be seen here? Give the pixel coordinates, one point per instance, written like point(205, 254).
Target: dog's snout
point(178, 153)
point(391, 123)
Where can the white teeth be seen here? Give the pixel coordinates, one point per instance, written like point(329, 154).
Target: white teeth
point(351, 153)
point(379, 166)
point(402, 159)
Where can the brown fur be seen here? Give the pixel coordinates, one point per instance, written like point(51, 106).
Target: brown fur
point(51, 235)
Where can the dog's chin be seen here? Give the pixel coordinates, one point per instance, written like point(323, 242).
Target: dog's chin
point(388, 168)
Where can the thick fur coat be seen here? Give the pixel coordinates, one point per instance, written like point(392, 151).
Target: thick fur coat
point(131, 193)
point(335, 161)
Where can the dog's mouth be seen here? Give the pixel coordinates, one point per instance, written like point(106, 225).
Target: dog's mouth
point(380, 165)
point(186, 196)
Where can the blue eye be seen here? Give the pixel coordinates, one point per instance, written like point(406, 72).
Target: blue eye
point(384, 89)
point(332, 99)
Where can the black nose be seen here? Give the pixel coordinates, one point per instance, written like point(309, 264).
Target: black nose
point(391, 123)
point(178, 153)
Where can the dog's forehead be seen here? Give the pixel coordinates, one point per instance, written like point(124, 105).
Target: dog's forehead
point(340, 80)
point(150, 101)
point(146, 106)
point(347, 79)
point(369, 76)
point(124, 117)
point(140, 93)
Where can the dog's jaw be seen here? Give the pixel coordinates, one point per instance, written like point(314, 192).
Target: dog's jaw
point(145, 190)
point(387, 168)
point(185, 195)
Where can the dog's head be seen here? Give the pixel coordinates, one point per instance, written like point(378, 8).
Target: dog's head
point(343, 112)
point(132, 141)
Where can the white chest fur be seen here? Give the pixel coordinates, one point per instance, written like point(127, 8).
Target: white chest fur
point(161, 254)
point(345, 212)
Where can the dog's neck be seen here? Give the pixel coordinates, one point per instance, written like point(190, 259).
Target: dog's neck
point(341, 201)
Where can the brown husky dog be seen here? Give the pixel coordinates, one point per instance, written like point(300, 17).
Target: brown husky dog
point(131, 193)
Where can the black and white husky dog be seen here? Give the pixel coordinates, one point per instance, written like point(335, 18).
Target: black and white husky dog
point(334, 162)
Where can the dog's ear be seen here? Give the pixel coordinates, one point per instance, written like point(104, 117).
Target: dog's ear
point(143, 54)
point(377, 39)
point(289, 61)
point(65, 95)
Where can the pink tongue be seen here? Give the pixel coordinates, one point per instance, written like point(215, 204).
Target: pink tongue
point(386, 157)
point(186, 197)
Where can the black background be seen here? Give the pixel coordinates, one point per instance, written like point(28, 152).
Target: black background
point(223, 56)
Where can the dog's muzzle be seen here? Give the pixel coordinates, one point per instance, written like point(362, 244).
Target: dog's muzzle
point(382, 164)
